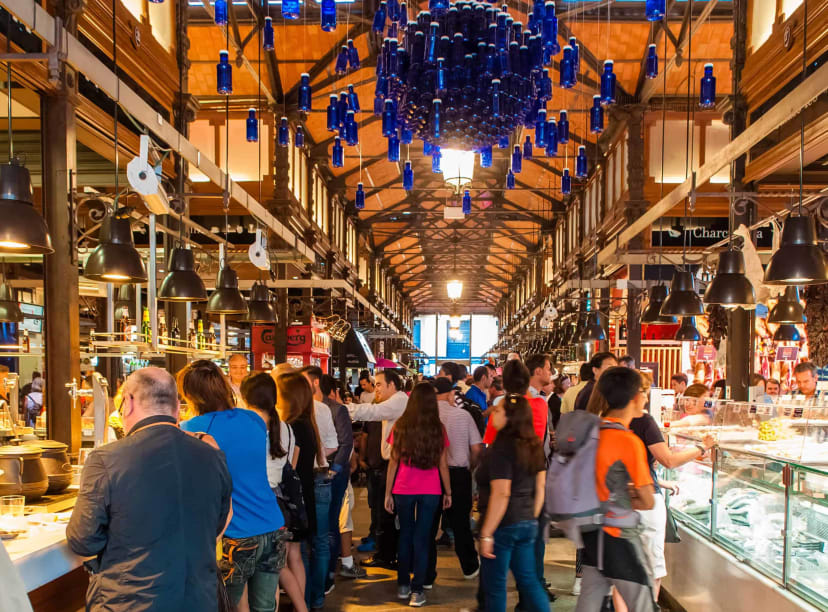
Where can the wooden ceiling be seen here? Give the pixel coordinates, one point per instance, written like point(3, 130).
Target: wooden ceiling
point(487, 248)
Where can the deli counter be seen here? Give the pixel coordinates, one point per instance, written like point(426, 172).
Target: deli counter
point(755, 513)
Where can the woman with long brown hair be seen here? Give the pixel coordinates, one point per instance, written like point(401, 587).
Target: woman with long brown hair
point(252, 544)
point(416, 468)
point(295, 406)
point(511, 480)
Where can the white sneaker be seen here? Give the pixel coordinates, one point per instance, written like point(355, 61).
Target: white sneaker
point(576, 588)
point(473, 575)
point(403, 592)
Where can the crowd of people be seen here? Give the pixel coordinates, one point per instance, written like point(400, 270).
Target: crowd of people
point(263, 470)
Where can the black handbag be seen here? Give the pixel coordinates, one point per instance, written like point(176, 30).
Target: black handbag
point(291, 502)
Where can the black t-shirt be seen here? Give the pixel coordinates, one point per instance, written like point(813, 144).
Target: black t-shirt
point(307, 443)
point(647, 429)
point(500, 463)
point(582, 400)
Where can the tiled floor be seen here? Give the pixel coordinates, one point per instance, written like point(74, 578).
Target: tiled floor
point(451, 592)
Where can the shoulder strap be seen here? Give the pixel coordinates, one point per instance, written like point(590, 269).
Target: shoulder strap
point(612, 425)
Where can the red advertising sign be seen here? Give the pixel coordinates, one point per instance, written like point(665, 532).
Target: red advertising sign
point(787, 353)
point(261, 338)
point(705, 352)
point(299, 338)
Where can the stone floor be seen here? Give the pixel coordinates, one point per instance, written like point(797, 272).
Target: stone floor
point(451, 592)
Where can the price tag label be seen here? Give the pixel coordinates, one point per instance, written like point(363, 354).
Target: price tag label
point(787, 353)
point(798, 412)
point(705, 353)
point(752, 409)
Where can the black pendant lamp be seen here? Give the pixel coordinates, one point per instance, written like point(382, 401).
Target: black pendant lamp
point(788, 308)
point(594, 331)
point(182, 283)
point(787, 332)
point(115, 259)
point(683, 300)
point(226, 299)
point(799, 260)
point(22, 229)
point(652, 313)
point(687, 332)
point(730, 287)
point(9, 306)
point(260, 309)
point(125, 303)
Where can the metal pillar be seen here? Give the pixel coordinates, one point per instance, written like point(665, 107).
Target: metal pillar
point(61, 268)
point(634, 316)
point(280, 337)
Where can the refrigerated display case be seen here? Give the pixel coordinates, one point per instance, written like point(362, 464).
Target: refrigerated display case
point(763, 494)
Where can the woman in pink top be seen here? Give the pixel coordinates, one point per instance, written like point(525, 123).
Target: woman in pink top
point(418, 448)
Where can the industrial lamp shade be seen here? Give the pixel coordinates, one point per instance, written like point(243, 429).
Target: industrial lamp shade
point(799, 260)
point(182, 283)
point(730, 287)
point(227, 299)
point(787, 333)
point(9, 306)
point(125, 304)
point(115, 259)
point(683, 300)
point(652, 313)
point(594, 331)
point(788, 309)
point(687, 332)
point(22, 230)
point(260, 309)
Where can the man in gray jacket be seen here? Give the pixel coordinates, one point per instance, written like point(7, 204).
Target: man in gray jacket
point(150, 508)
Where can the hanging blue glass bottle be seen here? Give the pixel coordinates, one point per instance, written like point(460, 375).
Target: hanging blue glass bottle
point(503, 142)
point(438, 7)
point(268, 43)
point(545, 86)
point(495, 97)
point(408, 177)
point(527, 148)
point(486, 157)
point(436, 159)
point(540, 129)
point(437, 118)
point(252, 126)
point(707, 89)
point(467, 203)
point(290, 9)
point(220, 12)
point(342, 108)
point(566, 182)
point(341, 66)
point(441, 80)
point(379, 18)
point(563, 128)
point(305, 93)
point(428, 148)
point(353, 99)
point(284, 132)
point(517, 160)
point(224, 74)
point(406, 136)
point(651, 67)
point(337, 153)
point(654, 9)
point(510, 179)
point(576, 54)
point(389, 119)
point(393, 148)
point(353, 55)
point(299, 137)
point(567, 70)
point(608, 84)
point(596, 116)
point(378, 105)
point(550, 30)
point(327, 8)
point(359, 200)
point(351, 129)
point(332, 116)
point(581, 166)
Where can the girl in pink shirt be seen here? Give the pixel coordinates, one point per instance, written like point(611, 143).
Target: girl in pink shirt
point(416, 468)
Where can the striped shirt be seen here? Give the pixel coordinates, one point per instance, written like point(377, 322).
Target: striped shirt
point(462, 434)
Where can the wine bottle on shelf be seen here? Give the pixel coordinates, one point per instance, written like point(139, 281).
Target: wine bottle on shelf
point(162, 328)
point(146, 328)
point(191, 334)
point(200, 339)
point(176, 332)
point(27, 346)
point(210, 338)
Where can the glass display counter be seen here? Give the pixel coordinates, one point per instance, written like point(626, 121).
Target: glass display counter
point(763, 494)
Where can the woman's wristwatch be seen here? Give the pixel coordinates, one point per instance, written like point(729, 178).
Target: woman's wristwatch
point(703, 450)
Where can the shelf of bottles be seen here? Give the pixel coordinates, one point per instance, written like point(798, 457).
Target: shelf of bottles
point(22, 349)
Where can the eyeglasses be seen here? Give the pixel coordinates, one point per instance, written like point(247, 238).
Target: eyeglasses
point(123, 399)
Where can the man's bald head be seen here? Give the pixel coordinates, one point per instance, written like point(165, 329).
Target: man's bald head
point(148, 392)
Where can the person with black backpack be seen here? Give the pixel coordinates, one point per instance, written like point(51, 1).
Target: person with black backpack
point(454, 372)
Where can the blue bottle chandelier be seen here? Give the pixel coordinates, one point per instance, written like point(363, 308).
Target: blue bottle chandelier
point(464, 75)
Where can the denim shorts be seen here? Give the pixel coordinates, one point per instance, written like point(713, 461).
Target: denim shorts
point(242, 557)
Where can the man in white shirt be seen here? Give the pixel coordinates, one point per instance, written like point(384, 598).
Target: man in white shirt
point(367, 385)
point(321, 412)
point(390, 403)
point(465, 446)
point(541, 374)
point(237, 370)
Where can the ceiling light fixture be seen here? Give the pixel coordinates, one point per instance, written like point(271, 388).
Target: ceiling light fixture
point(458, 167)
point(115, 259)
point(687, 332)
point(788, 308)
point(182, 283)
point(226, 299)
point(260, 308)
point(652, 313)
point(787, 332)
point(730, 287)
point(683, 300)
point(454, 288)
point(9, 306)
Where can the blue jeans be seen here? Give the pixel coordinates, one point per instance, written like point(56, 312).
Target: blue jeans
point(253, 561)
point(316, 563)
point(339, 485)
point(416, 514)
point(514, 548)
